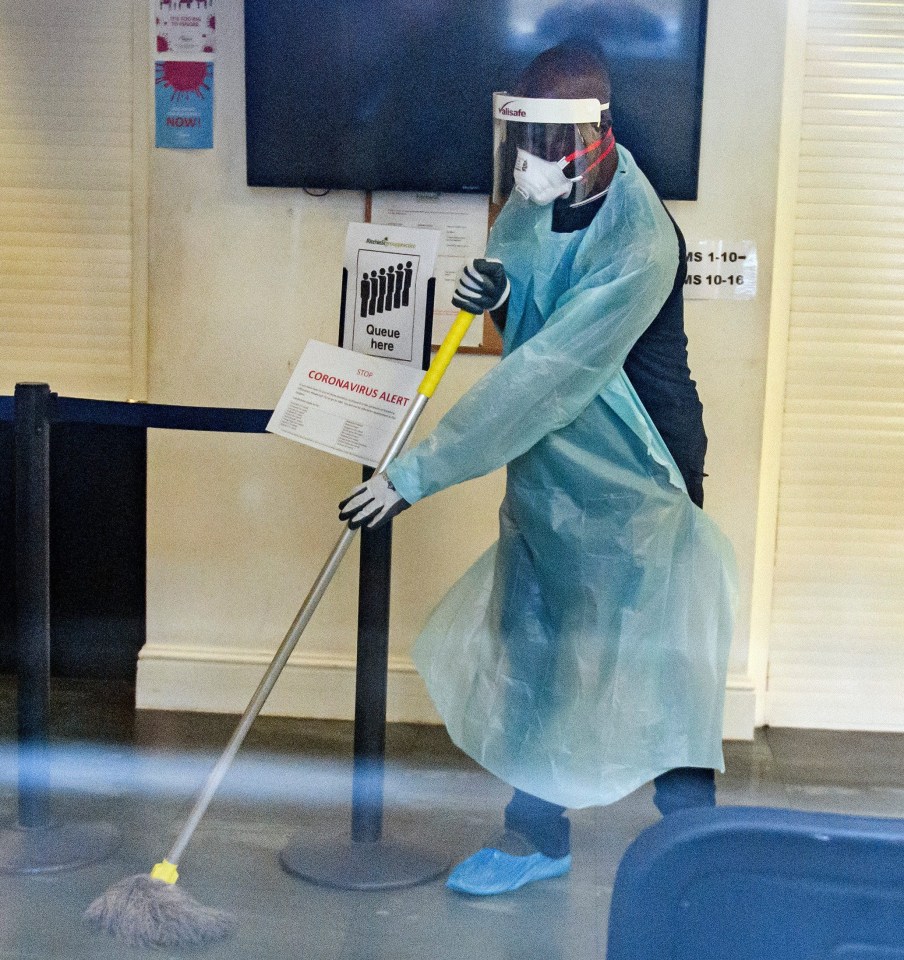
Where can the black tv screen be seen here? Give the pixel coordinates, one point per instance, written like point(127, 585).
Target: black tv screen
point(397, 94)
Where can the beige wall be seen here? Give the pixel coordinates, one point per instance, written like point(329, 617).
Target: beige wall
point(240, 279)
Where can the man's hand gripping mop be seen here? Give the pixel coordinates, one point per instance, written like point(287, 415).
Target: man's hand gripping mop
point(149, 909)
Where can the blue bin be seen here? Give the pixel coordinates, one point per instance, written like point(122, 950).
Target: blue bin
point(754, 883)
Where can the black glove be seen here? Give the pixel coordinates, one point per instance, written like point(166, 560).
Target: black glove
point(482, 285)
point(373, 504)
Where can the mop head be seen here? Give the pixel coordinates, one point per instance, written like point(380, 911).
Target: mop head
point(144, 912)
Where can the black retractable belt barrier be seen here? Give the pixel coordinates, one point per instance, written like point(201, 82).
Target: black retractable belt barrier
point(33, 598)
point(366, 859)
point(36, 844)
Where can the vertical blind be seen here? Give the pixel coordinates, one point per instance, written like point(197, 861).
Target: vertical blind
point(836, 654)
point(66, 193)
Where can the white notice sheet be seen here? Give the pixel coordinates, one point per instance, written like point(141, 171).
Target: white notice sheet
point(462, 222)
point(345, 403)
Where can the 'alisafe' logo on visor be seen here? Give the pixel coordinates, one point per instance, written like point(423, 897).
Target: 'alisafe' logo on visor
point(507, 111)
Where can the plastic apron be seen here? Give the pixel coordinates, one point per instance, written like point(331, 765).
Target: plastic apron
point(585, 652)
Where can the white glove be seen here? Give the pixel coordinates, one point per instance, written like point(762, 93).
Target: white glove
point(373, 503)
point(482, 285)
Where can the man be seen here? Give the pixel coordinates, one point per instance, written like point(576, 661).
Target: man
point(585, 653)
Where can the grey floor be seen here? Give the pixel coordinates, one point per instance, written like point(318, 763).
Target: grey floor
point(292, 783)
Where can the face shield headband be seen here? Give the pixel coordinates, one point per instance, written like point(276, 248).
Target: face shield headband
point(605, 144)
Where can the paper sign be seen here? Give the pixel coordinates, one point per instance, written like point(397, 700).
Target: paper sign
point(721, 270)
point(345, 403)
point(185, 28)
point(462, 223)
point(388, 270)
point(183, 100)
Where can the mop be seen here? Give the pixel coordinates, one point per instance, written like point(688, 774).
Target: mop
point(149, 909)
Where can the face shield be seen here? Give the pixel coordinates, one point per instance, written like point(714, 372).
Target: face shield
point(548, 149)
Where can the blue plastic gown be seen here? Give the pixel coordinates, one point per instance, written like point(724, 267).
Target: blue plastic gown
point(584, 653)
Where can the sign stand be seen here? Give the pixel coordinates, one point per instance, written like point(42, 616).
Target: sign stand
point(366, 859)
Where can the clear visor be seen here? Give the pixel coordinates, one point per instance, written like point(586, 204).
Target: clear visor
point(556, 153)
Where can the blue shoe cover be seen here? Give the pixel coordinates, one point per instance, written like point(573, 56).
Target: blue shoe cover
point(490, 872)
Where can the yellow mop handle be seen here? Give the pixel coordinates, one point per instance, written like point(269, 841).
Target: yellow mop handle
point(165, 871)
point(445, 353)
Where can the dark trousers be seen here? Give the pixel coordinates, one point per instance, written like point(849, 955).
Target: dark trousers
point(549, 830)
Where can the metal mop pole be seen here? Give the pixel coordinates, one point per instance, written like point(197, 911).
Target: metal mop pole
point(281, 658)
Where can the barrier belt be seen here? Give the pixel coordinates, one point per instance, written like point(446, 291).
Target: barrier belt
point(158, 416)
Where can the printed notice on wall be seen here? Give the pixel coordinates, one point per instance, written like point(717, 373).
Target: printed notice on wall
point(721, 270)
point(345, 403)
point(185, 28)
point(183, 101)
point(388, 273)
point(462, 223)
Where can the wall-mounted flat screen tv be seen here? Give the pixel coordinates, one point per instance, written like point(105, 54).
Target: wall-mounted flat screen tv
point(397, 94)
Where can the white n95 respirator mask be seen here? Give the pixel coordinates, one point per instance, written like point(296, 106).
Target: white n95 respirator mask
point(540, 180)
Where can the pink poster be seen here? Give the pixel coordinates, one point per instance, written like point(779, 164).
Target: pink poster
point(185, 28)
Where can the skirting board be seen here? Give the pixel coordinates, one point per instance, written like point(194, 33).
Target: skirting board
point(323, 688)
